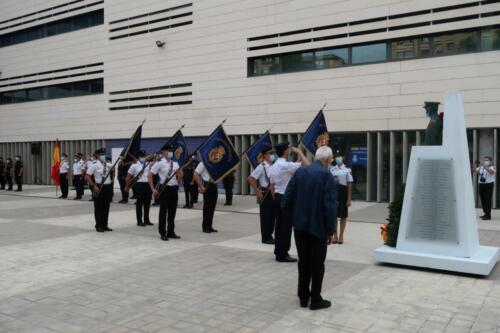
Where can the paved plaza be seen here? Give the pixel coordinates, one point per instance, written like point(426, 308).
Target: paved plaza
point(59, 275)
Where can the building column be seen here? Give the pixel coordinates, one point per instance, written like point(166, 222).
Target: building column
point(418, 138)
point(392, 165)
point(369, 166)
point(495, 159)
point(475, 154)
point(380, 170)
point(405, 156)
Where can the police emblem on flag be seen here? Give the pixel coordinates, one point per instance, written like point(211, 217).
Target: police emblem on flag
point(216, 154)
point(178, 152)
point(259, 158)
point(322, 140)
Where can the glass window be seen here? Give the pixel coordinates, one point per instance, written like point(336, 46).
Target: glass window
point(97, 18)
point(51, 29)
point(5, 40)
point(425, 46)
point(332, 58)
point(35, 94)
point(81, 22)
point(298, 62)
point(6, 97)
point(64, 26)
point(19, 37)
point(96, 86)
point(80, 88)
point(404, 49)
point(19, 96)
point(369, 53)
point(267, 65)
point(490, 39)
point(460, 42)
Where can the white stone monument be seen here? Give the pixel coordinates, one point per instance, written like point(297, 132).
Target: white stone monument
point(438, 227)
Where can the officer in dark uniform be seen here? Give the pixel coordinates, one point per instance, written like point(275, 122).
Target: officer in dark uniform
point(102, 189)
point(2, 174)
point(18, 173)
point(210, 194)
point(138, 172)
point(228, 183)
point(122, 176)
point(187, 181)
point(9, 173)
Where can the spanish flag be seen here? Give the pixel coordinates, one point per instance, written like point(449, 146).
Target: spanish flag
point(56, 162)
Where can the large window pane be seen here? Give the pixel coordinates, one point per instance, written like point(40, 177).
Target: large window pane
point(490, 39)
point(461, 42)
point(35, 94)
point(332, 58)
point(81, 22)
point(298, 62)
point(96, 86)
point(97, 18)
point(81, 88)
point(266, 65)
point(369, 53)
point(19, 96)
point(404, 49)
point(425, 46)
point(6, 98)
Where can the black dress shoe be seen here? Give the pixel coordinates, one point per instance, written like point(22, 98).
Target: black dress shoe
point(99, 230)
point(286, 259)
point(185, 206)
point(228, 204)
point(140, 224)
point(77, 198)
point(213, 230)
point(190, 206)
point(62, 197)
point(486, 218)
point(482, 216)
point(164, 238)
point(107, 229)
point(269, 241)
point(323, 304)
point(304, 302)
point(148, 223)
point(174, 236)
point(155, 204)
point(207, 231)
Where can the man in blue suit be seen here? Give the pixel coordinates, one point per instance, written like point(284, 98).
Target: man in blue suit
point(311, 197)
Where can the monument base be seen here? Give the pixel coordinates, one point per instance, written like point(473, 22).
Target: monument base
point(480, 264)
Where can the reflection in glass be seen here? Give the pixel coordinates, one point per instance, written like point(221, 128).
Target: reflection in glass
point(404, 49)
point(460, 42)
point(369, 53)
point(490, 39)
point(332, 58)
point(267, 65)
point(296, 62)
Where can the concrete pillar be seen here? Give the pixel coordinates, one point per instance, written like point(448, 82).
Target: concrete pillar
point(369, 165)
point(392, 165)
point(380, 170)
point(418, 138)
point(405, 156)
point(475, 157)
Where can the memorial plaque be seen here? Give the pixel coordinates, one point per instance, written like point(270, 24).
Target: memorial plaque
point(433, 212)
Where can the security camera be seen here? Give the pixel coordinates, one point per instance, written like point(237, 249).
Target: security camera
point(159, 43)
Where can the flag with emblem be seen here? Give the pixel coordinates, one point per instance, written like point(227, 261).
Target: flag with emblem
point(180, 147)
point(254, 153)
point(130, 153)
point(56, 163)
point(317, 134)
point(218, 154)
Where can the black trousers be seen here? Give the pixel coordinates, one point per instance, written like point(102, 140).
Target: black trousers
point(486, 194)
point(312, 255)
point(101, 206)
point(267, 217)
point(2, 181)
point(283, 232)
point(9, 182)
point(78, 184)
point(188, 192)
point(63, 179)
point(143, 203)
point(168, 209)
point(228, 183)
point(209, 203)
point(122, 183)
point(19, 182)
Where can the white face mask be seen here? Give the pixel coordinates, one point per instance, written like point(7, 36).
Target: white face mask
point(17, 158)
point(170, 155)
point(142, 159)
point(102, 158)
point(487, 163)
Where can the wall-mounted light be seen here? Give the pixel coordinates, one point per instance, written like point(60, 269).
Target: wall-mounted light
point(160, 43)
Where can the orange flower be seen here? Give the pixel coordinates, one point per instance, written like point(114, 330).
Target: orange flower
point(383, 233)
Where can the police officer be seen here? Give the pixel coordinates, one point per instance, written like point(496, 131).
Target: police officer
point(264, 192)
point(281, 173)
point(18, 173)
point(486, 172)
point(63, 176)
point(209, 190)
point(100, 178)
point(2, 174)
point(228, 183)
point(168, 171)
point(343, 178)
point(138, 173)
point(89, 161)
point(187, 181)
point(9, 173)
point(78, 166)
point(123, 169)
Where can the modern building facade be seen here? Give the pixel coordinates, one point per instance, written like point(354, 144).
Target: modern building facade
point(88, 72)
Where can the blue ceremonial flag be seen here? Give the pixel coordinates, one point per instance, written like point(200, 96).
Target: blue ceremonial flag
point(254, 153)
point(130, 153)
point(180, 147)
point(317, 134)
point(218, 154)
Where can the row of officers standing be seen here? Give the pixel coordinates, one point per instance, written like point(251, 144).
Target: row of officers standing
point(156, 178)
point(10, 172)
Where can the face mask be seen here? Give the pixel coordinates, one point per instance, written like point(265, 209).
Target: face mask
point(142, 159)
point(170, 154)
point(102, 158)
point(17, 158)
point(487, 163)
point(76, 160)
point(273, 158)
point(338, 160)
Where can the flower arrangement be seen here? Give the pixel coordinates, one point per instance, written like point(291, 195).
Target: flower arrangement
point(389, 231)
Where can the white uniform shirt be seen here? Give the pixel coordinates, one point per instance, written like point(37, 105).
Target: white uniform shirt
point(165, 169)
point(88, 164)
point(77, 168)
point(281, 173)
point(489, 178)
point(136, 168)
point(64, 167)
point(98, 169)
point(260, 175)
point(342, 174)
point(202, 171)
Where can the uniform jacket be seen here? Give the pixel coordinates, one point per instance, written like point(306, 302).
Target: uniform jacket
point(311, 198)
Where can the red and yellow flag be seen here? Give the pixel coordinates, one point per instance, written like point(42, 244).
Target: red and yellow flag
point(56, 162)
